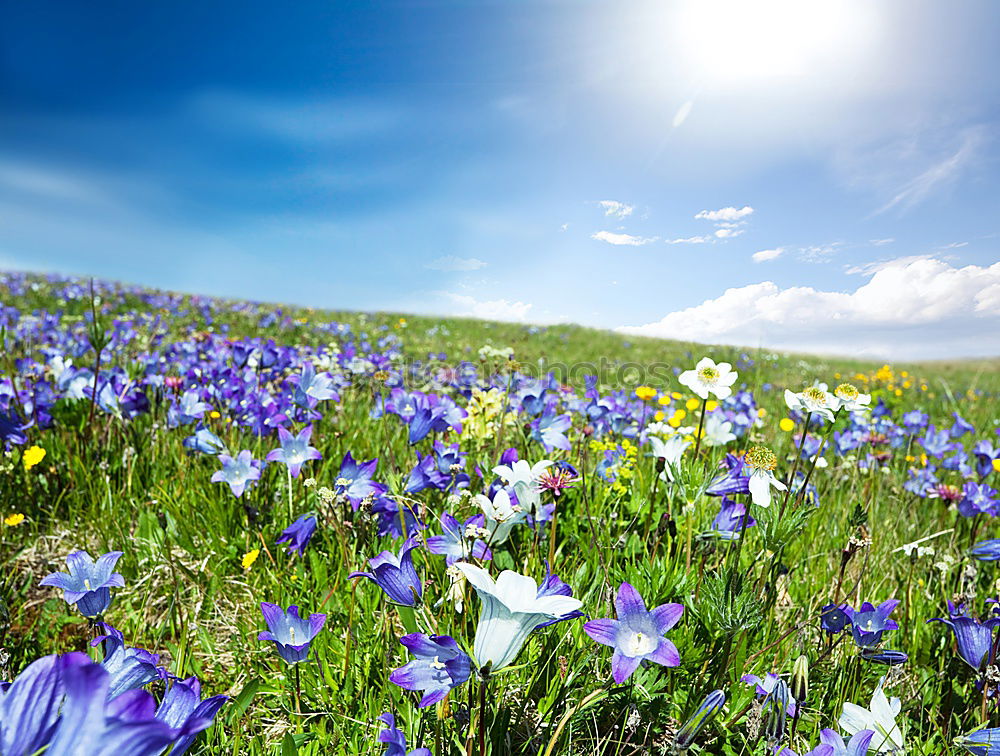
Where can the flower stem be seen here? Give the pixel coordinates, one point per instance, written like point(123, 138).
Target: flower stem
point(701, 424)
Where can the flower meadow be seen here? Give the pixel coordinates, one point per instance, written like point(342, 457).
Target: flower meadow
point(230, 527)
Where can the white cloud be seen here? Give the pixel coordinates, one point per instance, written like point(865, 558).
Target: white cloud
point(451, 263)
point(728, 232)
point(880, 242)
point(955, 245)
point(491, 309)
point(616, 209)
point(622, 239)
point(725, 214)
point(910, 308)
point(564, 226)
point(691, 240)
point(767, 254)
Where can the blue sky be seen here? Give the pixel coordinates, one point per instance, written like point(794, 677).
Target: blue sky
point(818, 176)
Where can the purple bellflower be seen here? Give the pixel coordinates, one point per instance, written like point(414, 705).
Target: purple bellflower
point(637, 634)
point(355, 480)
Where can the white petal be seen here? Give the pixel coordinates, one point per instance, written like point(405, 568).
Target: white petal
point(854, 719)
point(760, 490)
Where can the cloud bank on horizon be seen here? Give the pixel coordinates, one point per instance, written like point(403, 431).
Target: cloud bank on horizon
point(910, 308)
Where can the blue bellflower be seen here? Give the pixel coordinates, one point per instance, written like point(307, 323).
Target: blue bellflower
point(440, 665)
point(294, 451)
point(459, 541)
point(237, 471)
point(395, 574)
point(61, 705)
point(395, 740)
point(88, 583)
point(290, 633)
point(869, 623)
point(298, 534)
point(973, 638)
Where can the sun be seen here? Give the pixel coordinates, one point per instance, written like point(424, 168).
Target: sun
point(735, 41)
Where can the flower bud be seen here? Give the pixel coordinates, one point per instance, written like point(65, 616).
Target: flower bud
point(775, 712)
point(800, 679)
point(886, 656)
point(711, 706)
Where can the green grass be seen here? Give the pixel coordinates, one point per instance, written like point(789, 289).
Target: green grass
point(128, 485)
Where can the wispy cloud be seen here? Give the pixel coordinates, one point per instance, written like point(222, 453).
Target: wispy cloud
point(880, 242)
point(489, 309)
point(622, 239)
point(616, 209)
point(451, 263)
point(819, 253)
point(691, 240)
point(937, 176)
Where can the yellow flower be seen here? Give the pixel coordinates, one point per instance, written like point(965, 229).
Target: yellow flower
point(249, 558)
point(837, 376)
point(787, 424)
point(12, 520)
point(898, 392)
point(905, 374)
point(711, 405)
point(214, 414)
point(664, 400)
point(32, 456)
point(692, 403)
point(996, 465)
point(645, 392)
point(884, 374)
point(907, 384)
point(677, 395)
point(761, 412)
point(658, 417)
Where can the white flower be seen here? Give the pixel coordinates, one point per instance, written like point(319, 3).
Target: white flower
point(707, 377)
point(881, 718)
point(851, 399)
point(511, 609)
point(501, 517)
point(524, 478)
point(718, 431)
point(760, 462)
point(815, 400)
point(671, 451)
